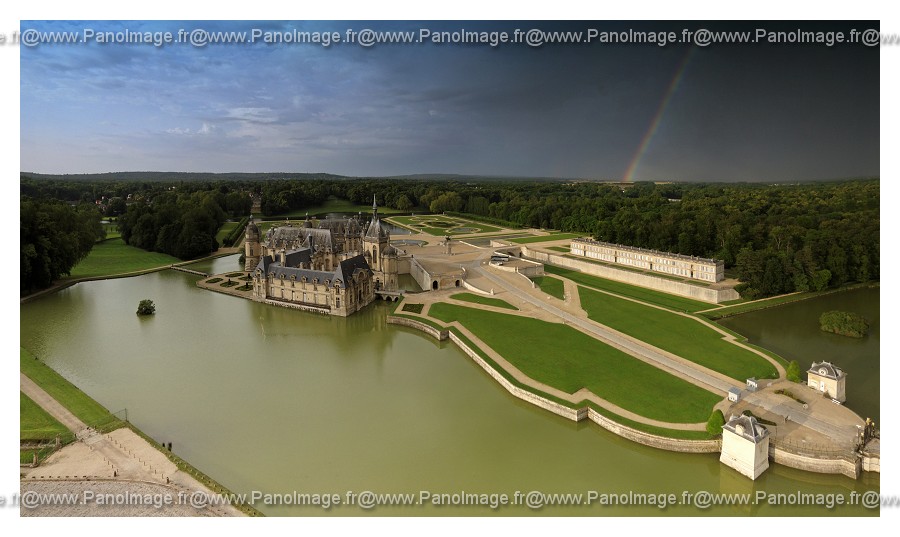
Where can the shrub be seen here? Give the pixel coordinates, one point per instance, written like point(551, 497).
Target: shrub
point(793, 371)
point(146, 307)
point(715, 422)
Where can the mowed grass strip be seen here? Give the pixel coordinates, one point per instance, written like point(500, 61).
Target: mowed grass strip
point(675, 333)
point(568, 360)
point(225, 230)
point(67, 394)
point(550, 285)
point(632, 291)
point(112, 257)
point(35, 423)
point(547, 238)
point(487, 301)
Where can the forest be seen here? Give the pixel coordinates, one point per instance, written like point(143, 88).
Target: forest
point(774, 238)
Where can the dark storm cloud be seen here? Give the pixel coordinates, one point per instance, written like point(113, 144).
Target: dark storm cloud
point(739, 112)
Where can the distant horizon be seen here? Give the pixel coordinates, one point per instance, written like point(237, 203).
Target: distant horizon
point(449, 176)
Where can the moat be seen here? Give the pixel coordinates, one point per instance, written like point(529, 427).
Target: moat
point(278, 400)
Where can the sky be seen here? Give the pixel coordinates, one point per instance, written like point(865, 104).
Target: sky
point(725, 112)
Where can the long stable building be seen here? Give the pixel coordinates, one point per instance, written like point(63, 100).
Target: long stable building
point(697, 268)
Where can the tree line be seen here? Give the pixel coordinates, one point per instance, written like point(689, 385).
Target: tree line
point(774, 238)
point(54, 237)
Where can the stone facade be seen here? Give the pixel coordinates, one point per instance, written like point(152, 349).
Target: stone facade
point(827, 378)
point(745, 446)
point(696, 268)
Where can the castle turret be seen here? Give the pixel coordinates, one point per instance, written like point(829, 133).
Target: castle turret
point(252, 248)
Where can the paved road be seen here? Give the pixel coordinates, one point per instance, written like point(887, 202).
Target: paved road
point(709, 381)
point(841, 432)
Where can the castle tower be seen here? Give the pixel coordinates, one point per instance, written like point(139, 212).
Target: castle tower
point(375, 240)
point(252, 248)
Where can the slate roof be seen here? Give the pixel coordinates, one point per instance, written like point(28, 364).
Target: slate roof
point(746, 427)
point(826, 369)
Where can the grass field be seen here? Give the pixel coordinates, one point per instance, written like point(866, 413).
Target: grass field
point(547, 238)
point(439, 225)
point(569, 360)
point(79, 403)
point(112, 230)
point(226, 228)
point(336, 205)
point(675, 333)
point(559, 248)
point(487, 301)
point(550, 285)
point(35, 423)
point(632, 291)
point(112, 257)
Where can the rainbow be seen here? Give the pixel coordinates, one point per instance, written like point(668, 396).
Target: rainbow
point(654, 125)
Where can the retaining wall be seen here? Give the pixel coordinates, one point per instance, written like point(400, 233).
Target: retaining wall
point(846, 467)
point(652, 440)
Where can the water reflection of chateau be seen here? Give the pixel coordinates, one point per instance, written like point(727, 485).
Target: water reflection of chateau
point(334, 267)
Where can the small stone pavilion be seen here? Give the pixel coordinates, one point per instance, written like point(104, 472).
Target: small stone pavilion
point(745, 446)
point(828, 379)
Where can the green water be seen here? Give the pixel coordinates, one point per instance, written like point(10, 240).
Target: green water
point(803, 341)
point(277, 400)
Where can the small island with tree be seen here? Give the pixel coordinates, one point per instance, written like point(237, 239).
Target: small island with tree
point(146, 307)
point(844, 323)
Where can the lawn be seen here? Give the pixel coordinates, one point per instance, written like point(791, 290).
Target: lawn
point(226, 228)
point(677, 334)
point(559, 248)
point(632, 291)
point(113, 257)
point(112, 230)
point(547, 238)
point(79, 403)
point(550, 285)
point(566, 359)
point(439, 225)
point(487, 301)
point(337, 205)
point(35, 423)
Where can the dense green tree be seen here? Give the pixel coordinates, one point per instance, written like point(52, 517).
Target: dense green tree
point(54, 237)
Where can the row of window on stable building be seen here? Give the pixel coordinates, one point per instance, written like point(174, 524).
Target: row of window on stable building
point(657, 260)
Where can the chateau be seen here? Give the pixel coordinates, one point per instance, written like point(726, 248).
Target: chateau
point(333, 267)
point(697, 268)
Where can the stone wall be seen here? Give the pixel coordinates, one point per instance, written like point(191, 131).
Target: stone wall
point(474, 289)
point(871, 463)
point(652, 440)
point(696, 292)
point(418, 272)
point(849, 468)
point(440, 335)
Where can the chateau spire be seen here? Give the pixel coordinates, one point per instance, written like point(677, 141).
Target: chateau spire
point(374, 207)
